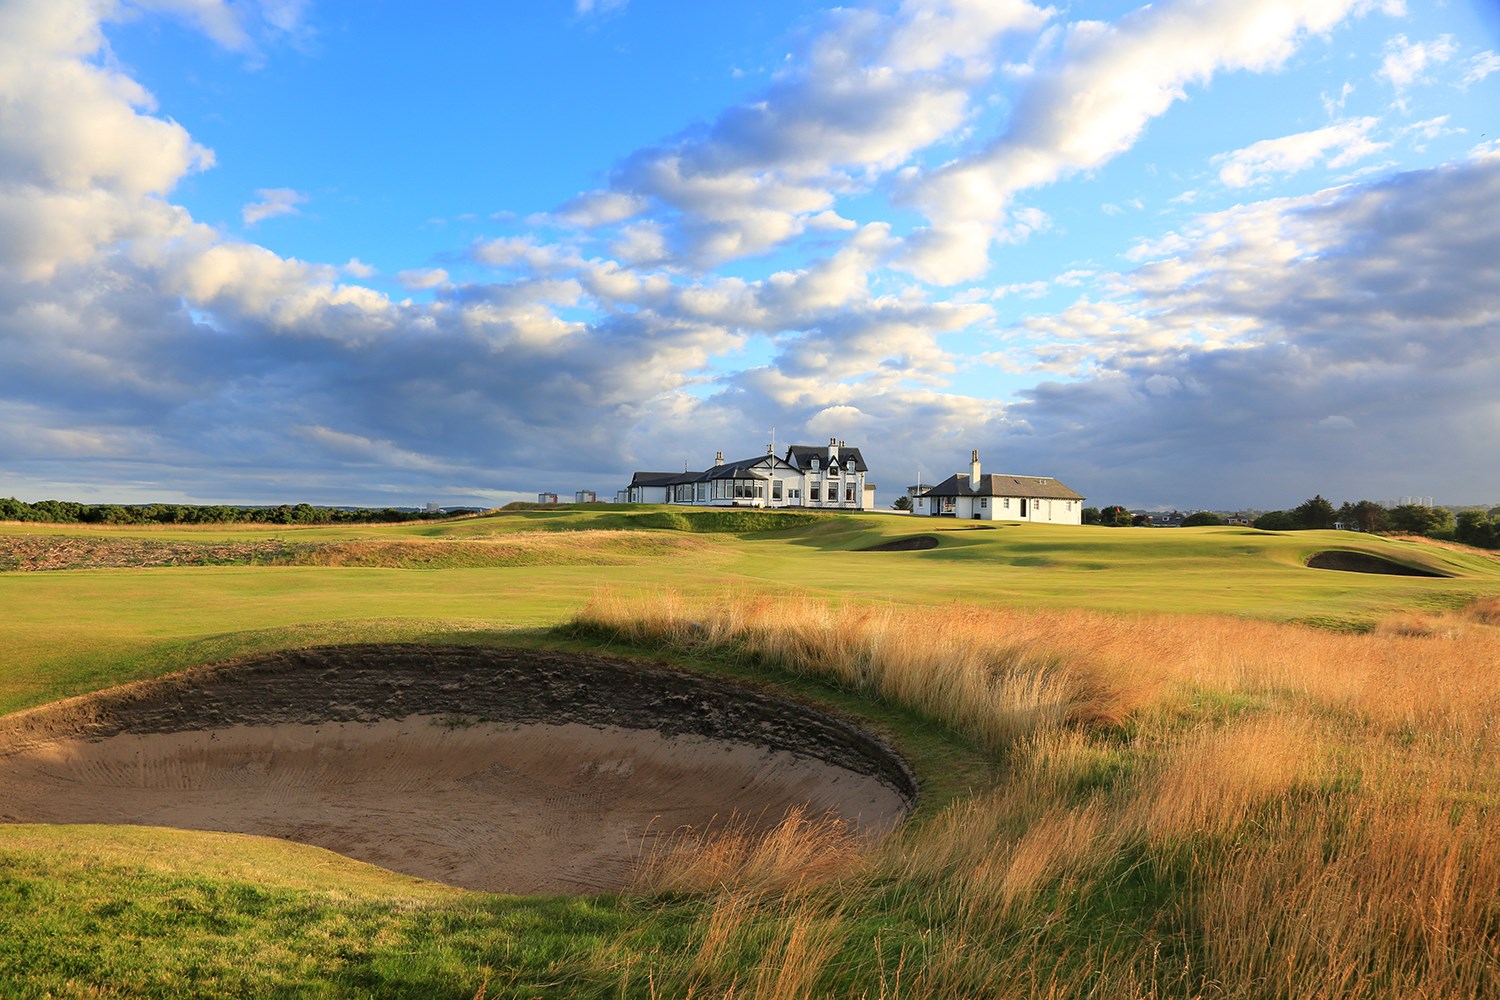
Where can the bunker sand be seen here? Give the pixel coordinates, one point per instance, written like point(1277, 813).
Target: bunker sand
point(472, 789)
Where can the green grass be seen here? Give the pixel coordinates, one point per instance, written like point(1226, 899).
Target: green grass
point(125, 911)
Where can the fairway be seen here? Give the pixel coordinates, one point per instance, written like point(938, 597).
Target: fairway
point(1046, 685)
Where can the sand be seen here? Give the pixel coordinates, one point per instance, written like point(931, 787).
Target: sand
point(519, 805)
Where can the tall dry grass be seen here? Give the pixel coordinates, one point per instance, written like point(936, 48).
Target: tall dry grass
point(1191, 807)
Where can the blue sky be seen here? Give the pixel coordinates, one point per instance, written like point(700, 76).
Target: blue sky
point(1198, 253)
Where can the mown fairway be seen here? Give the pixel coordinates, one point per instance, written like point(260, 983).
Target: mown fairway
point(1066, 840)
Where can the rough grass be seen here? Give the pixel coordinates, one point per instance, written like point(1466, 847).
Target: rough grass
point(1182, 805)
point(1193, 807)
point(32, 553)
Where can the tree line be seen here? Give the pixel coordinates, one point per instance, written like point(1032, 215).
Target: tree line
point(1472, 527)
point(70, 512)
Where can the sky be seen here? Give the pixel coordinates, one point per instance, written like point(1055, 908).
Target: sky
point(1216, 254)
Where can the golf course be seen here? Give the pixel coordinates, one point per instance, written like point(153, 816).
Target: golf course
point(858, 755)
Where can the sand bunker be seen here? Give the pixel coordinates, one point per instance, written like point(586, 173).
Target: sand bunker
point(505, 770)
point(911, 543)
point(1365, 562)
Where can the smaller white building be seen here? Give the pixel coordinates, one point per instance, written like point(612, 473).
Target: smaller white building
point(994, 497)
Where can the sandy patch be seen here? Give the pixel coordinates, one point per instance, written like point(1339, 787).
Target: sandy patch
point(482, 784)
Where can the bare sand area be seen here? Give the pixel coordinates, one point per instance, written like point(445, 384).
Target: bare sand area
point(504, 770)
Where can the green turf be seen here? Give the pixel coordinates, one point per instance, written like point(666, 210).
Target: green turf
point(129, 911)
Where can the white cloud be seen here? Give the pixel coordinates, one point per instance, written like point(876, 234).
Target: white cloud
point(863, 97)
point(1337, 145)
point(586, 8)
point(1107, 82)
point(1406, 63)
point(1364, 312)
point(1480, 66)
point(271, 203)
point(421, 277)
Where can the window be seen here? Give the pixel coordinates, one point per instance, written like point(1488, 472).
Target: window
point(849, 494)
point(794, 494)
point(776, 490)
point(1005, 503)
point(815, 493)
point(984, 502)
point(702, 491)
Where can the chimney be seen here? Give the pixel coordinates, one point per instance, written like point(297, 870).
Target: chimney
point(833, 449)
point(974, 469)
point(770, 448)
point(718, 458)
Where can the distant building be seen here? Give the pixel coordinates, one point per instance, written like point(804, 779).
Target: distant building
point(585, 496)
point(1000, 498)
point(546, 498)
point(831, 478)
point(433, 508)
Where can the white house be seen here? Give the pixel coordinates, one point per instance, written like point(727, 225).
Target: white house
point(831, 478)
point(1000, 498)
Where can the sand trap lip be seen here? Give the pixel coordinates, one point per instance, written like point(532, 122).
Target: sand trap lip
point(498, 769)
point(1366, 562)
point(911, 543)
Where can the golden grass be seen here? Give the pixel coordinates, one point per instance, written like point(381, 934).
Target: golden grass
point(1191, 807)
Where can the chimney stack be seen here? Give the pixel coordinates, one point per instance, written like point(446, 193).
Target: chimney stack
point(833, 449)
point(974, 469)
point(718, 458)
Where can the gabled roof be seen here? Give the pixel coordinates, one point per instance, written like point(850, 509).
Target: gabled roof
point(744, 468)
point(1030, 487)
point(800, 456)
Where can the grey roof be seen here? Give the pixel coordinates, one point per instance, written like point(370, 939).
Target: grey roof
point(800, 456)
point(743, 468)
point(1030, 487)
point(654, 478)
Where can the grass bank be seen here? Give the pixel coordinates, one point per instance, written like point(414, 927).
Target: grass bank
point(1155, 764)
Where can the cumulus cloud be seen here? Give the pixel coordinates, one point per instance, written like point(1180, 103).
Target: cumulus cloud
point(271, 203)
point(422, 277)
point(865, 95)
point(1091, 102)
point(1338, 145)
point(1341, 355)
point(83, 163)
point(1406, 63)
point(1294, 337)
point(1480, 67)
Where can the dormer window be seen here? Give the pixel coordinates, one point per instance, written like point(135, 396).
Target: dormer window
point(815, 465)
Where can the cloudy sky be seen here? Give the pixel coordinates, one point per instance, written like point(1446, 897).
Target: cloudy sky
point(1193, 253)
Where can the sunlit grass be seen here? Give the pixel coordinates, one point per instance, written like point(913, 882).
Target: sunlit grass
point(1184, 765)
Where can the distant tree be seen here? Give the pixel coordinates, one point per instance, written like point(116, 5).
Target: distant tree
point(1417, 519)
point(1141, 520)
point(1314, 514)
point(1114, 516)
point(903, 502)
point(1275, 520)
point(1203, 519)
point(1477, 527)
point(1366, 515)
point(1091, 515)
